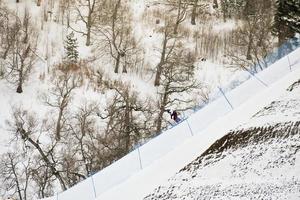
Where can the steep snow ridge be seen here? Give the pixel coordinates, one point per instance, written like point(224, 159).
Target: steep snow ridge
point(284, 109)
point(259, 161)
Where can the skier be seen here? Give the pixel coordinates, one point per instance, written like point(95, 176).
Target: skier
point(174, 115)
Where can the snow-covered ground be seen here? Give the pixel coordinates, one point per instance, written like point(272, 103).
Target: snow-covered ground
point(50, 52)
point(248, 99)
point(141, 184)
point(260, 159)
point(165, 155)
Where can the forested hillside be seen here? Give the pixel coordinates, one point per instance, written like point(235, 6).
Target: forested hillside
point(83, 82)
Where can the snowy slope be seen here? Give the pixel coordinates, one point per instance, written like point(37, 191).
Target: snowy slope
point(153, 155)
point(247, 99)
point(140, 185)
point(258, 160)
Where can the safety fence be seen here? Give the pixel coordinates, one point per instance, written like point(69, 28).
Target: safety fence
point(226, 99)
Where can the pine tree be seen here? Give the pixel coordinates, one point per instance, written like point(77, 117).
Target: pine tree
point(71, 46)
point(293, 16)
point(287, 19)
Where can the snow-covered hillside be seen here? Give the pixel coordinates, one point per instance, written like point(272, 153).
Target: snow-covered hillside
point(258, 160)
point(251, 152)
point(244, 117)
point(87, 86)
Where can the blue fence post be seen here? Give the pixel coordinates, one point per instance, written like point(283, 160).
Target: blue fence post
point(288, 58)
point(187, 121)
point(225, 97)
point(252, 74)
point(140, 159)
point(94, 188)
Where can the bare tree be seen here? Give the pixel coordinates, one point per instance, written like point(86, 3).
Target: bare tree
point(177, 82)
point(61, 95)
point(42, 178)
point(128, 121)
point(22, 55)
point(172, 33)
point(16, 174)
point(25, 126)
point(253, 38)
point(85, 137)
point(199, 6)
point(8, 31)
point(179, 7)
point(86, 11)
point(183, 7)
point(168, 44)
point(117, 33)
point(65, 10)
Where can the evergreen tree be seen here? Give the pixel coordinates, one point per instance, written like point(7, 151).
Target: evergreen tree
point(71, 46)
point(287, 19)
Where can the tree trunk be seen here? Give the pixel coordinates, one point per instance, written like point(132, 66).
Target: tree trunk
point(42, 190)
point(20, 82)
point(194, 12)
point(224, 9)
point(158, 74)
point(177, 19)
point(162, 110)
point(6, 53)
point(176, 28)
point(249, 48)
point(124, 69)
point(84, 159)
point(13, 167)
point(216, 5)
point(88, 27)
point(159, 67)
point(19, 88)
point(88, 38)
point(117, 63)
point(159, 121)
point(68, 19)
point(127, 129)
point(58, 125)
